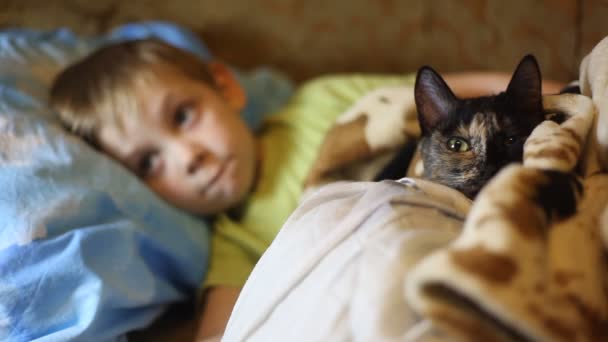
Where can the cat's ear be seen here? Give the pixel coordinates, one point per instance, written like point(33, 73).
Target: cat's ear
point(524, 90)
point(434, 99)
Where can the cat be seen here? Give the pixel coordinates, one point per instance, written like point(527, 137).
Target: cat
point(464, 142)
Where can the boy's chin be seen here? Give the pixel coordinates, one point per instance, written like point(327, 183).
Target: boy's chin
point(231, 195)
point(206, 209)
point(218, 206)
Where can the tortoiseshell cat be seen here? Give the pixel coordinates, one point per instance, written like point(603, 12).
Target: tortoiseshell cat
point(466, 141)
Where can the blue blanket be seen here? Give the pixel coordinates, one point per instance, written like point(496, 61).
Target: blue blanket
point(87, 252)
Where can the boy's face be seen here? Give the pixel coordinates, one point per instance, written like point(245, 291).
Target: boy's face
point(187, 141)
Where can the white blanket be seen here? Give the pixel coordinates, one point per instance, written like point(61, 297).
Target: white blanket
point(335, 272)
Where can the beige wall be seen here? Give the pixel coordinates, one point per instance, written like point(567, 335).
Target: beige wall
point(311, 37)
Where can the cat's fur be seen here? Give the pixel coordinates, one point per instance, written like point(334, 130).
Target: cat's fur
point(495, 127)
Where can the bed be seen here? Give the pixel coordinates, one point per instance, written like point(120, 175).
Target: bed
point(354, 272)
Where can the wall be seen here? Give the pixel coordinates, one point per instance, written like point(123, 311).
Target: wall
point(311, 37)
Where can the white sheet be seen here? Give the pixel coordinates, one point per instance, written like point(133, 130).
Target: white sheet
point(336, 270)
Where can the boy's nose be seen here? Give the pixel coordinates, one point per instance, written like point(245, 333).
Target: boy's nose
point(188, 157)
point(196, 162)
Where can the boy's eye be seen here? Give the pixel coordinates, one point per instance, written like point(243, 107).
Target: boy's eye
point(457, 144)
point(147, 164)
point(183, 116)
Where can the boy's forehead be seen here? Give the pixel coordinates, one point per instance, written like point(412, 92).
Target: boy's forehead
point(140, 107)
point(129, 125)
point(138, 112)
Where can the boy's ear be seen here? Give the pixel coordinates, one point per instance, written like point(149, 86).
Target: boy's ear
point(434, 99)
point(227, 84)
point(524, 89)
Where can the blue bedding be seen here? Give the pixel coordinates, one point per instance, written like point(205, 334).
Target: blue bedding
point(87, 252)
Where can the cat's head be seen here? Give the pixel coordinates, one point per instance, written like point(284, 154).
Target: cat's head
point(466, 141)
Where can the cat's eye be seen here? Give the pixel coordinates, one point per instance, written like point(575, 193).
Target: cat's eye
point(510, 140)
point(183, 116)
point(457, 144)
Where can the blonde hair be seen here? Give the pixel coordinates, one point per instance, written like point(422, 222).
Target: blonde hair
point(99, 89)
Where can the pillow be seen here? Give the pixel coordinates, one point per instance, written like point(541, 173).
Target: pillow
point(87, 252)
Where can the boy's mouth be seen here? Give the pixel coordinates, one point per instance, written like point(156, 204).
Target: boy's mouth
point(219, 172)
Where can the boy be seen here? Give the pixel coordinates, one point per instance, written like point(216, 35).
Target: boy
point(173, 120)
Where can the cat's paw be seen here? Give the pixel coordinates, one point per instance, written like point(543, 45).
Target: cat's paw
point(559, 194)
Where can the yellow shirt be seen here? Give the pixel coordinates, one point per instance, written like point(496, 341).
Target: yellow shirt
point(289, 142)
